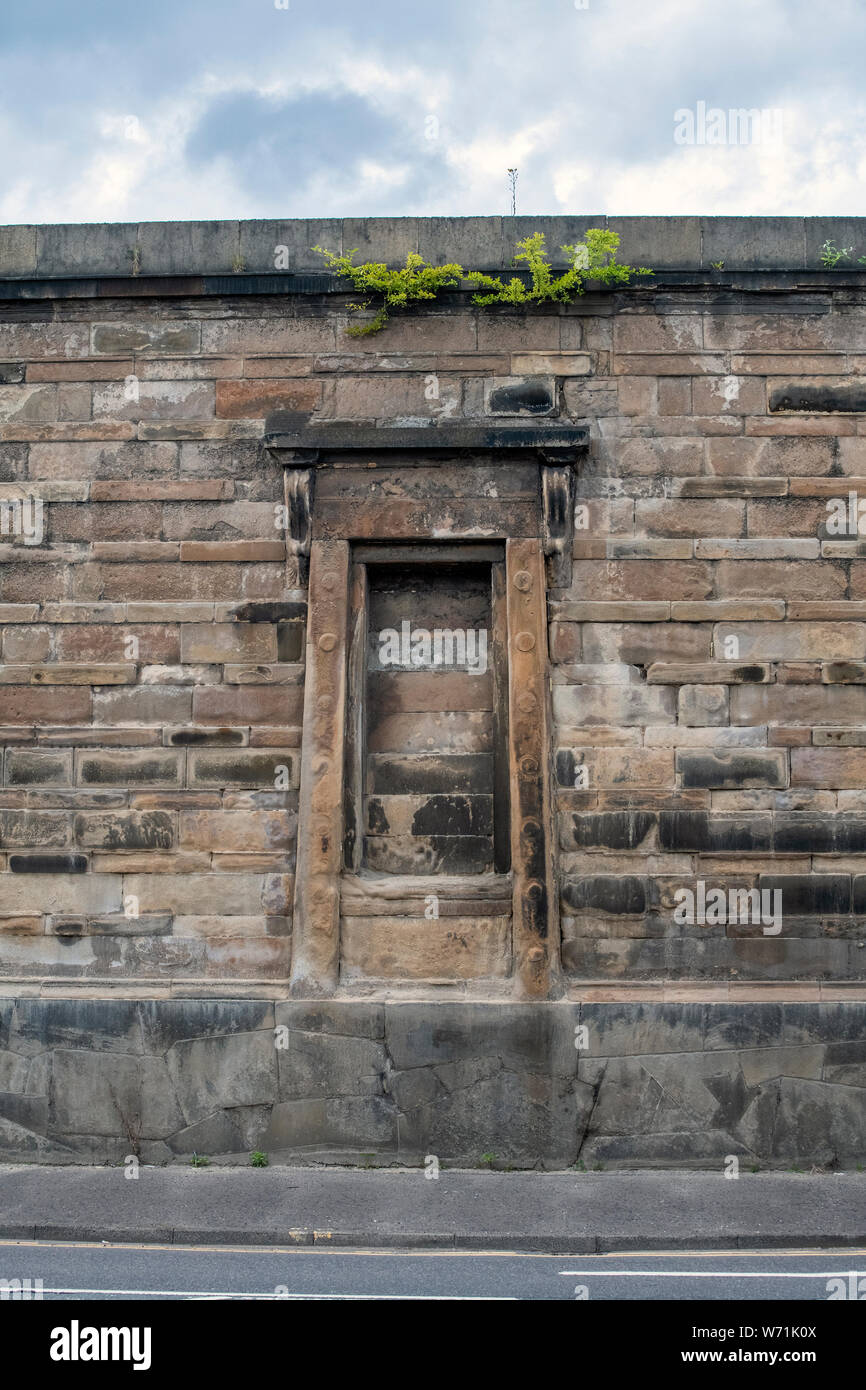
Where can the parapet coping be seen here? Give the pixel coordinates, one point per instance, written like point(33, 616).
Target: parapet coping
point(236, 250)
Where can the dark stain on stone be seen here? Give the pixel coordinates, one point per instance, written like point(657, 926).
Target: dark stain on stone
point(606, 893)
point(825, 400)
point(48, 863)
point(697, 830)
point(454, 815)
point(377, 821)
point(612, 829)
point(529, 397)
point(270, 613)
point(206, 736)
point(290, 641)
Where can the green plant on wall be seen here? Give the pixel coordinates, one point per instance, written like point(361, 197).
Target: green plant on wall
point(831, 254)
point(415, 281)
point(593, 258)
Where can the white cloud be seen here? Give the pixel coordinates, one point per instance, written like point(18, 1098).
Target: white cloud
point(117, 118)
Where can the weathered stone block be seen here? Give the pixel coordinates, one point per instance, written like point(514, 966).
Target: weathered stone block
point(707, 673)
point(249, 399)
point(792, 641)
point(611, 829)
point(247, 831)
point(245, 768)
point(220, 642)
point(33, 768)
point(124, 830)
point(607, 894)
point(208, 1073)
point(222, 894)
point(828, 767)
point(699, 831)
point(323, 1064)
point(154, 768)
point(451, 948)
point(735, 769)
point(520, 395)
point(808, 895)
point(797, 704)
point(582, 704)
point(353, 1124)
point(702, 705)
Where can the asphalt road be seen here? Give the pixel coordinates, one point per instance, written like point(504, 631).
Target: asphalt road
point(123, 1272)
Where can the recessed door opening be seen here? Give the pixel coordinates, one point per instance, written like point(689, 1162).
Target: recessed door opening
point(430, 685)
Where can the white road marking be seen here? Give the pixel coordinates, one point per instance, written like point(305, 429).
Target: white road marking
point(698, 1274)
point(282, 1297)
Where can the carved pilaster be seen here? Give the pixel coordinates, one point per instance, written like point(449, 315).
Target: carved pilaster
point(298, 490)
point(316, 924)
point(557, 521)
point(535, 919)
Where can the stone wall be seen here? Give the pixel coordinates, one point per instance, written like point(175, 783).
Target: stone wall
point(389, 1083)
point(707, 672)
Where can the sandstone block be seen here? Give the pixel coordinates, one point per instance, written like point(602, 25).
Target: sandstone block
point(167, 336)
point(700, 517)
point(68, 673)
point(734, 395)
point(669, 333)
point(243, 399)
point(124, 830)
point(649, 549)
point(154, 767)
point(798, 704)
point(820, 579)
point(451, 948)
point(612, 705)
point(33, 829)
point(155, 400)
point(644, 643)
point(706, 673)
point(28, 705)
point(31, 768)
point(245, 768)
point(222, 642)
point(248, 704)
point(827, 767)
point(247, 831)
point(752, 768)
point(797, 641)
point(702, 705)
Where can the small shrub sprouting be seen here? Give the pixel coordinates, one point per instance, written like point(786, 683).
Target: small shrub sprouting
point(831, 254)
point(593, 258)
point(415, 281)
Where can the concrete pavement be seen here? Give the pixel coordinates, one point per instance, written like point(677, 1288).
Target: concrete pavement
point(572, 1212)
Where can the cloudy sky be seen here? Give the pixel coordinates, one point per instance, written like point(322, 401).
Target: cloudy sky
point(167, 109)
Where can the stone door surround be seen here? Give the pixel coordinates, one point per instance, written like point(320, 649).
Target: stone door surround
point(425, 489)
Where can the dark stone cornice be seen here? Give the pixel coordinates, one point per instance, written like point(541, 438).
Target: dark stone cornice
point(306, 444)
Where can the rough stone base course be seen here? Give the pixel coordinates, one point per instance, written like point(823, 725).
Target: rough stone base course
point(389, 1083)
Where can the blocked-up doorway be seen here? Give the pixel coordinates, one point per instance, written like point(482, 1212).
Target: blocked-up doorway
point(426, 845)
point(426, 891)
